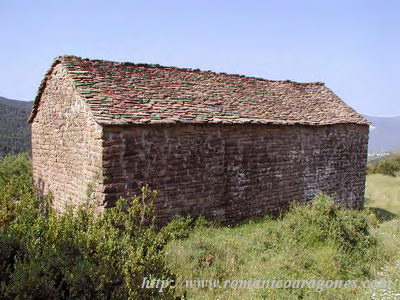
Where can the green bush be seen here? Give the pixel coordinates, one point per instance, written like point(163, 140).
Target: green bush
point(319, 240)
point(325, 223)
point(387, 166)
point(75, 254)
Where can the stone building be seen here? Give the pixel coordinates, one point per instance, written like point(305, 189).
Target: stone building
point(225, 146)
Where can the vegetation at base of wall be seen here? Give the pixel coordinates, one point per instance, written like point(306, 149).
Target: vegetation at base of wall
point(386, 166)
point(77, 254)
point(314, 241)
point(309, 242)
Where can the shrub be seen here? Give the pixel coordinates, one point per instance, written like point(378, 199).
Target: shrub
point(387, 166)
point(318, 240)
point(325, 223)
point(75, 254)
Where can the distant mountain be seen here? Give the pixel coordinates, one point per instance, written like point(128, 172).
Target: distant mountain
point(14, 131)
point(384, 134)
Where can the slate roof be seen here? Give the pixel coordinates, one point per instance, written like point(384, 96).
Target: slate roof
point(127, 93)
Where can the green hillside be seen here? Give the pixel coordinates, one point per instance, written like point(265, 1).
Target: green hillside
point(14, 131)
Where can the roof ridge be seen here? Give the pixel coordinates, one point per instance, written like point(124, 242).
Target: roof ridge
point(126, 63)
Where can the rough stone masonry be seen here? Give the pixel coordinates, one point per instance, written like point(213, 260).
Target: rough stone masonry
point(228, 147)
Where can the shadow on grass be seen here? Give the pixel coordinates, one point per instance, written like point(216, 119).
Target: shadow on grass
point(383, 215)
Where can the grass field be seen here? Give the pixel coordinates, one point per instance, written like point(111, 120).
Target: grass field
point(383, 193)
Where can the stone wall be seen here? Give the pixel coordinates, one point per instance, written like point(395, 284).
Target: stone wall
point(66, 144)
point(233, 172)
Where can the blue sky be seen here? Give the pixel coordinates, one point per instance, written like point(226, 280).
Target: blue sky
point(352, 46)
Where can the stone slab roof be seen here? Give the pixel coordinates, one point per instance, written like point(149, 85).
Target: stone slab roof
point(127, 93)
